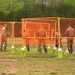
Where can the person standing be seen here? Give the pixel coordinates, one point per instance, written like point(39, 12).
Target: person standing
point(57, 40)
point(41, 34)
point(3, 34)
point(70, 32)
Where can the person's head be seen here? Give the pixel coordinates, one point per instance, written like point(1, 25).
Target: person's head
point(5, 25)
point(69, 26)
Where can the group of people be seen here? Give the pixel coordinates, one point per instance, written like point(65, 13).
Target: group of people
point(3, 37)
point(69, 33)
point(41, 34)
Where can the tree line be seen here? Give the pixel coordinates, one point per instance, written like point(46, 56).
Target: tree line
point(15, 10)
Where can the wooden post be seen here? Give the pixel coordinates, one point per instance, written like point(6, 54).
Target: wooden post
point(52, 35)
point(59, 31)
point(55, 34)
point(25, 29)
point(13, 33)
point(48, 30)
point(23, 32)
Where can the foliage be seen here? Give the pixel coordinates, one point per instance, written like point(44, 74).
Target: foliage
point(14, 10)
point(66, 11)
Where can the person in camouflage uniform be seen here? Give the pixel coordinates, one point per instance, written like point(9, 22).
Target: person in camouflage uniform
point(3, 34)
point(70, 32)
point(41, 33)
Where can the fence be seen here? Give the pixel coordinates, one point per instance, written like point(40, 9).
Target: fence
point(31, 28)
point(27, 31)
point(14, 31)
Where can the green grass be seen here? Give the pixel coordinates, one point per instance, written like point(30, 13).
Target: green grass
point(36, 63)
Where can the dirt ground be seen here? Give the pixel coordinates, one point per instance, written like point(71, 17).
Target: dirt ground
point(8, 66)
point(14, 66)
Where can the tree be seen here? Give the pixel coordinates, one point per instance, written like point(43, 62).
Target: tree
point(6, 6)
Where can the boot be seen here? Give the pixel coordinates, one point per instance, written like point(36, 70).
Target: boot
point(1, 46)
point(28, 49)
point(5, 46)
point(45, 48)
point(39, 48)
point(27, 46)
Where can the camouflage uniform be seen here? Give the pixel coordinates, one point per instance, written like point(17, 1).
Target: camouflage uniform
point(70, 34)
point(3, 37)
point(41, 33)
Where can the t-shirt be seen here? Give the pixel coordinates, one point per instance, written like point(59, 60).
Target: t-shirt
point(3, 31)
point(70, 32)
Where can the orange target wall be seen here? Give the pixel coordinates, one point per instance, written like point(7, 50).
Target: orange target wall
point(31, 27)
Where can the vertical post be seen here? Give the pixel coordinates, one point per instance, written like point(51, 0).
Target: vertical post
point(59, 31)
point(52, 35)
point(55, 27)
point(47, 33)
point(25, 29)
point(13, 33)
point(48, 30)
point(23, 32)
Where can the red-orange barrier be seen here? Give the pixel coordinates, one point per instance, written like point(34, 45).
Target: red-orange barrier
point(38, 31)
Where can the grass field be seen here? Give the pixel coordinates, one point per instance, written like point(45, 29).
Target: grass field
point(35, 63)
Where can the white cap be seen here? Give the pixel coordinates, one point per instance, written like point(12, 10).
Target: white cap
point(59, 49)
point(12, 46)
point(66, 51)
point(49, 47)
point(55, 48)
point(3, 44)
point(22, 48)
